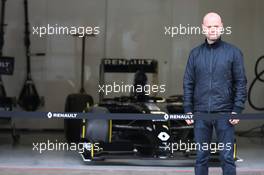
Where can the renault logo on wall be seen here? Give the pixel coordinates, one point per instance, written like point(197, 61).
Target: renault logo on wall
point(163, 136)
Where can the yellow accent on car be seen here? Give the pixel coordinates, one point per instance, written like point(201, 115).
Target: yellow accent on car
point(235, 150)
point(92, 151)
point(83, 129)
point(110, 131)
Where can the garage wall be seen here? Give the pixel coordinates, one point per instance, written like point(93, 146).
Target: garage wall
point(127, 29)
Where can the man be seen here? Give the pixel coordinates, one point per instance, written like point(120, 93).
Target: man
point(214, 82)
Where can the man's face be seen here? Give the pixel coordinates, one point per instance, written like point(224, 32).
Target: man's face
point(212, 26)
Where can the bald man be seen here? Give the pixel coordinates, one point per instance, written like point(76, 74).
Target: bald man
point(214, 82)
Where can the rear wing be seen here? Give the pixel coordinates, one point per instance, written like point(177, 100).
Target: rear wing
point(122, 65)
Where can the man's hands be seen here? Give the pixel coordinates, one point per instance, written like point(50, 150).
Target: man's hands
point(234, 121)
point(189, 122)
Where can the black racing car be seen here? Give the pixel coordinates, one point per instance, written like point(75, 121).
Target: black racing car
point(137, 138)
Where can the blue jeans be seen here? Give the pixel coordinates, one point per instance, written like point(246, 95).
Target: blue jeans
point(203, 130)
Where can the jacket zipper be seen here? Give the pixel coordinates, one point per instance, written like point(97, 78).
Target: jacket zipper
point(211, 57)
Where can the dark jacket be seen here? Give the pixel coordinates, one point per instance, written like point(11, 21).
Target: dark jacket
point(214, 79)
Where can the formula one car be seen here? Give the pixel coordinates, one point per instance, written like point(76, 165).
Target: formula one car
point(107, 139)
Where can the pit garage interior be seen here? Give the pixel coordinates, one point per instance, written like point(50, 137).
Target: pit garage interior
point(64, 70)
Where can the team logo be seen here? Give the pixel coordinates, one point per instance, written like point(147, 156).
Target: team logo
point(49, 115)
point(163, 136)
point(166, 116)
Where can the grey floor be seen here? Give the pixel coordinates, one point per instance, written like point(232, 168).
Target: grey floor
point(21, 159)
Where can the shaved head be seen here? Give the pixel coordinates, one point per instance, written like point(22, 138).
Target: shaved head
point(212, 26)
point(212, 16)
